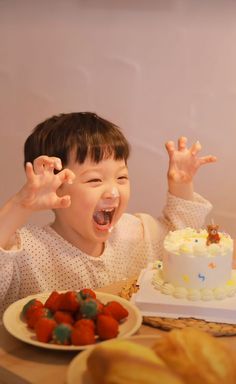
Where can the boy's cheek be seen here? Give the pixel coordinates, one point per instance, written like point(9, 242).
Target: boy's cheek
point(127, 194)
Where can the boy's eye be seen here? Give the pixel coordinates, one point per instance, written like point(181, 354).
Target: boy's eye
point(122, 179)
point(94, 181)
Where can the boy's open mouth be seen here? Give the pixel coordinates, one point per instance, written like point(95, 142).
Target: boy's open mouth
point(104, 217)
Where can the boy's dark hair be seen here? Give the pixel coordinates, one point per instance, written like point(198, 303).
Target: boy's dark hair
point(83, 132)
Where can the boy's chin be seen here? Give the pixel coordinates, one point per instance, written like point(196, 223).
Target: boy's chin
point(104, 229)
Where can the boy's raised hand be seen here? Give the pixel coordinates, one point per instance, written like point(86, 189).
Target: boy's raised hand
point(184, 162)
point(39, 192)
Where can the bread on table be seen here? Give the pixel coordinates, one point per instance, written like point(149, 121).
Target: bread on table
point(197, 356)
point(124, 362)
point(181, 356)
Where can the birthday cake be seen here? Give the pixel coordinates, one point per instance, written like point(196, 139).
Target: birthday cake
point(197, 265)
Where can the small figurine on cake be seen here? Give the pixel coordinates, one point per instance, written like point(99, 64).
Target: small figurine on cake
point(213, 235)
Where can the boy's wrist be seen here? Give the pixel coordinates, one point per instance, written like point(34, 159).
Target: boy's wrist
point(181, 190)
point(19, 203)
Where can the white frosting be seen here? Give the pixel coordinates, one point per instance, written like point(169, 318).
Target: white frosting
point(205, 294)
point(188, 241)
point(193, 270)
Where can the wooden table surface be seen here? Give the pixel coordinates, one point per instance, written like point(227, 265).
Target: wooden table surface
point(21, 363)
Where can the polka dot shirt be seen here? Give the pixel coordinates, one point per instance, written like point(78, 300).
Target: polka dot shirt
point(39, 260)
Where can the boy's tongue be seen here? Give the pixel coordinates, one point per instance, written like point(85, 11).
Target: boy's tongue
point(102, 217)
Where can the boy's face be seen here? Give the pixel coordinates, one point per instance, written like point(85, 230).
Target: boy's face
point(99, 196)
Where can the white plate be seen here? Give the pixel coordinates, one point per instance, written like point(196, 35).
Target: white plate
point(18, 328)
point(77, 372)
point(152, 302)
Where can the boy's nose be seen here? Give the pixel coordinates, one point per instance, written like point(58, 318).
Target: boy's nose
point(113, 193)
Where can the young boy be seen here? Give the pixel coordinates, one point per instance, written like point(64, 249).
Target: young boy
point(76, 165)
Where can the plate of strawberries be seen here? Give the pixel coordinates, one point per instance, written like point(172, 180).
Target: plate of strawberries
point(71, 320)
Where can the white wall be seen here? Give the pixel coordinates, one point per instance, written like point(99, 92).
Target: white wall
point(157, 68)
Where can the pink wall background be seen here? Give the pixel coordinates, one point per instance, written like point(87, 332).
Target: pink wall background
point(157, 68)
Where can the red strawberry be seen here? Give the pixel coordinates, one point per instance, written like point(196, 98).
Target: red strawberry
point(33, 303)
point(53, 301)
point(116, 310)
point(63, 317)
point(87, 323)
point(82, 336)
point(31, 310)
point(44, 328)
point(70, 301)
point(107, 327)
point(35, 314)
point(78, 315)
point(86, 293)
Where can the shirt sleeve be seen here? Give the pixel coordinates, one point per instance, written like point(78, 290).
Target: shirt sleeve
point(9, 274)
point(9, 279)
point(177, 214)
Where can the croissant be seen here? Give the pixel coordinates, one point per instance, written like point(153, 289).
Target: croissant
point(125, 362)
point(197, 356)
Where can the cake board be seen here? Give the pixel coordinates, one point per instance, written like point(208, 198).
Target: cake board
point(166, 323)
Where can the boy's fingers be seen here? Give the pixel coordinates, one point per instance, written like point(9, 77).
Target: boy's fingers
point(182, 141)
point(170, 146)
point(29, 171)
point(39, 164)
point(67, 176)
point(56, 163)
point(47, 163)
point(196, 147)
point(64, 202)
point(208, 159)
